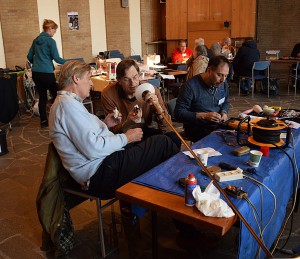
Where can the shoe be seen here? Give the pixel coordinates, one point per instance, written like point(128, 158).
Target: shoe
point(44, 124)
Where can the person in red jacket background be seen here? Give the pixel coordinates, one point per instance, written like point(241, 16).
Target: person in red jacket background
point(181, 53)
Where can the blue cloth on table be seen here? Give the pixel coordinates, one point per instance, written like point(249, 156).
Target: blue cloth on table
point(275, 171)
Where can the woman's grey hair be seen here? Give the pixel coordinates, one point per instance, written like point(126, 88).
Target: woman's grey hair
point(200, 50)
point(216, 49)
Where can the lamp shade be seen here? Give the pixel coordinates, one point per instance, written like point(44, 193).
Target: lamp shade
point(141, 89)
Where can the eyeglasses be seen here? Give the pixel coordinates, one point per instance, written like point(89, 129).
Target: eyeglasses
point(127, 80)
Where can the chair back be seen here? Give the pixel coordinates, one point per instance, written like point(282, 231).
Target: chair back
point(155, 82)
point(182, 67)
point(136, 57)
point(171, 107)
point(116, 54)
point(261, 65)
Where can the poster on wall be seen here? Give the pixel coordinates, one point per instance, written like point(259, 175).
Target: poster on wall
point(73, 21)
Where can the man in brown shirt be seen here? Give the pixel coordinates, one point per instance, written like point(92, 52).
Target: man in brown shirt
point(121, 95)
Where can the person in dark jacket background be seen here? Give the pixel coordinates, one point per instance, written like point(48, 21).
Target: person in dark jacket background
point(41, 54)
point(296, 51)
point(243, 63)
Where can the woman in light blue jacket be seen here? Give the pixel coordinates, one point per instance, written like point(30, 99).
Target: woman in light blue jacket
point(41, 54)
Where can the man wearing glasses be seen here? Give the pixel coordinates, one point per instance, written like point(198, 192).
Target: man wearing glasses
point(121, 95)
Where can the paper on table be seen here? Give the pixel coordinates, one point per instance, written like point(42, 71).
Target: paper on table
point(167, 76)
point(210, 203)
point(211, 152)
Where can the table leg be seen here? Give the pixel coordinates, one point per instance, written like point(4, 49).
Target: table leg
point(154, 235)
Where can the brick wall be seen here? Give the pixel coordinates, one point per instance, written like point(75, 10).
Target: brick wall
point(278, 25)
point(76, 43)
point(117, 27)
point(20, 26)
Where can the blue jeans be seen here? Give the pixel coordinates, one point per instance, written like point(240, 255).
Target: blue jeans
point(245, 85)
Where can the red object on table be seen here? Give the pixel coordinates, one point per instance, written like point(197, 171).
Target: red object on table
point(265, 150)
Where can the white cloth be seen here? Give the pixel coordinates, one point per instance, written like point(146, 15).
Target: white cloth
point(210, 203)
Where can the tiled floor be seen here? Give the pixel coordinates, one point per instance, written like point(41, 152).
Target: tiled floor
point(21, 171)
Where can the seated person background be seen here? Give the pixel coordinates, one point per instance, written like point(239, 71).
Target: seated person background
point(93, 155)
point(199, 62)
point(296, 51)
point(224, 49)
point(204, 100)
point(243, 63)
point(181, 53)
point(121, 95)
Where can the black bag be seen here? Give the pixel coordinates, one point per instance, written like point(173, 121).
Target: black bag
point(9, 103)
point(274, 86)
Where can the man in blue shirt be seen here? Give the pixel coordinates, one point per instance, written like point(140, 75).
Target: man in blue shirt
point(204, 100)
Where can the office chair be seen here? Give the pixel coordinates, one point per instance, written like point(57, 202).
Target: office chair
point(116, 54)
point(257, 66)
point(136, 57)
point(155, 82)
point(294, 75)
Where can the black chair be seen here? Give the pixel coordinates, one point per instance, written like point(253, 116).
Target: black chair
point(73, 195)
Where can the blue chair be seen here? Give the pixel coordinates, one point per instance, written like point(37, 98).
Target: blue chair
point(136, 57)
point(116, 54)
point(294, 76)
point(257, 66)
point(155, 82)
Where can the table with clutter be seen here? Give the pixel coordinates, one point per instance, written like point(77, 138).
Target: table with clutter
point(158, 189)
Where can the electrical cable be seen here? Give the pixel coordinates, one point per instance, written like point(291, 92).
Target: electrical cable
point(258, 182)
point(255, 213)
point(274, 209)
point(294, 197)
point(266, 136)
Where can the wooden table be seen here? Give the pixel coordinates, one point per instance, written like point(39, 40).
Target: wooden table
point(281, 68)
point(287, 61)
point(100, 82)
point(172, 206)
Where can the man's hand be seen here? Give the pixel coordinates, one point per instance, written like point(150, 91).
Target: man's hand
point(135, 116)
point(212, 116)
point(134, 135)
point(153, 98)
point(224, 117)
point(111, 121)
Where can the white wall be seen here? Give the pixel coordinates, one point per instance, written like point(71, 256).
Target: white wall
point(49, 10)
point(135, 27)
point(98, 26)
point(2, 56)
